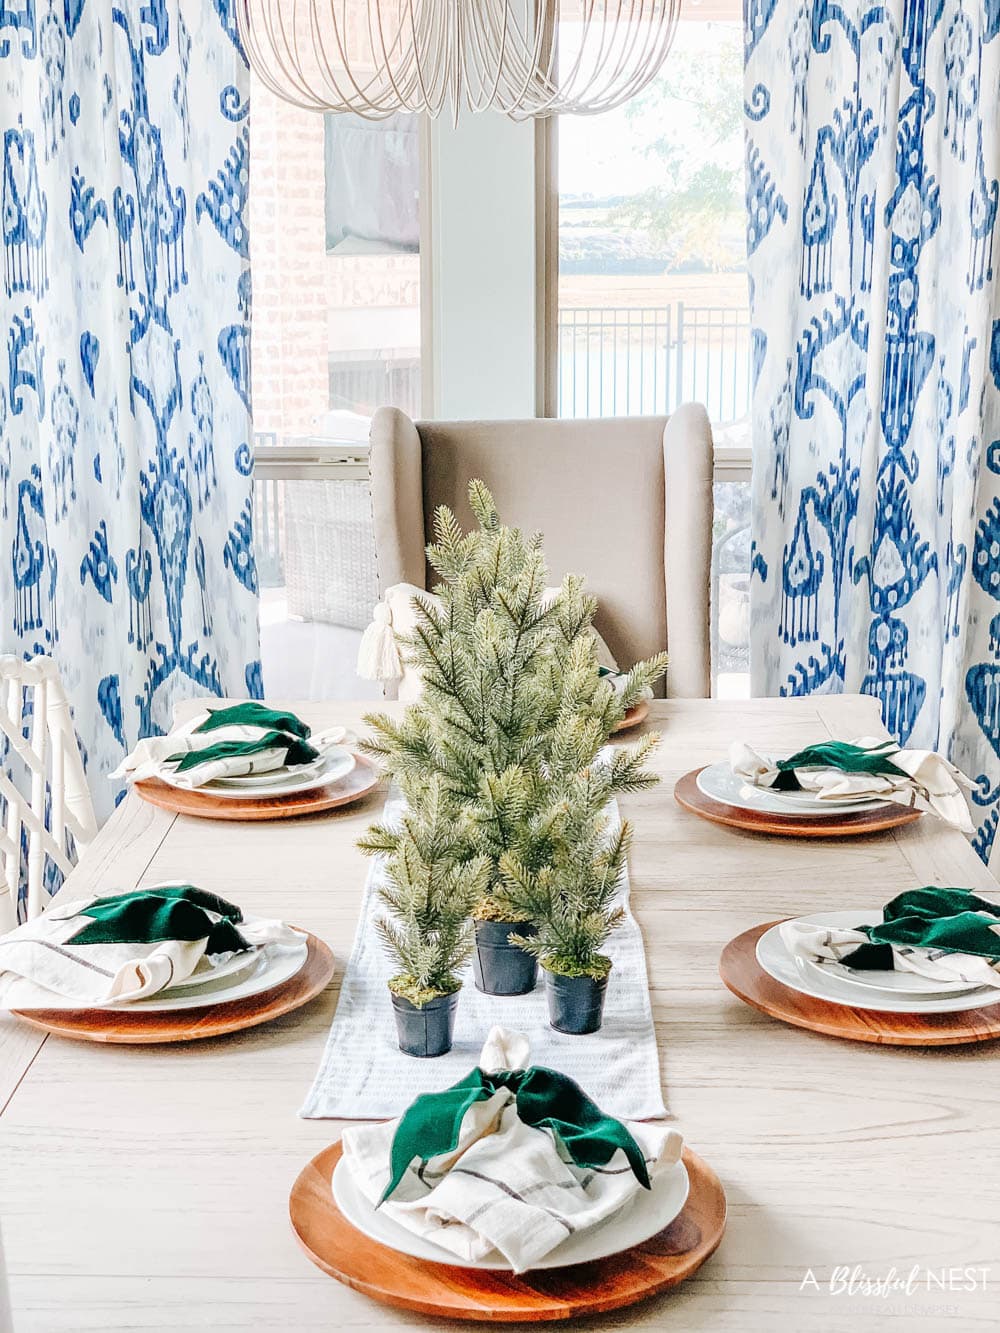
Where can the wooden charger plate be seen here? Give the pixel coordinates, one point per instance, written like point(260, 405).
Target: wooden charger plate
point(135, 1027)
point(363, 778)
point(745, 977)
point(843, 824)
point(450, 1292)
point(635, 715)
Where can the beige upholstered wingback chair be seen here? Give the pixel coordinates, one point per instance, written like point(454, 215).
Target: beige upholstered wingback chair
point(625, 502)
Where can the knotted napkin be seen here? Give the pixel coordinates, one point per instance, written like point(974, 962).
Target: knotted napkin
point(509, 1159)
point(944, 934)
point(99, 950)
point(228, 742)
point(845, 770)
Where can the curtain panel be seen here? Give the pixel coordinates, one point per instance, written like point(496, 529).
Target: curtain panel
point(873, 157)
point(125, 453)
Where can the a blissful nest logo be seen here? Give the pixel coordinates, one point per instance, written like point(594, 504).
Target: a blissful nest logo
point(919, 1280)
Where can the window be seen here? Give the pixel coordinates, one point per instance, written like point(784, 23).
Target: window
point(652, 288)
point(650, 308)
point(336, 270)
point(335, 235)
point(653, 303)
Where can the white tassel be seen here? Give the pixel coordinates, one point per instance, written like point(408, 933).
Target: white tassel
point(378, 656)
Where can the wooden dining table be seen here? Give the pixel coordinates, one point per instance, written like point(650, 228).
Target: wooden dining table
point(147, 1187)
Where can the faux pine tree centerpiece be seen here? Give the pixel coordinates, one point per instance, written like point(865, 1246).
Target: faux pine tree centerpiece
point(574, 900)
point(429, 891)
point(503, 740)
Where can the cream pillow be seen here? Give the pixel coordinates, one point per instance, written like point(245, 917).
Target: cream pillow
point(401, 619)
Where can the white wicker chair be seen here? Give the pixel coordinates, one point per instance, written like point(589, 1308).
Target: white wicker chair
point(43, 788)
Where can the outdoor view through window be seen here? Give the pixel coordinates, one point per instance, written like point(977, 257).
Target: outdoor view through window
point(652, 280)
point(653, 306)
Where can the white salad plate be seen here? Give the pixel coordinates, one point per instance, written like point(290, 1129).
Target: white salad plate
point(257, 781)
point(333, 740)
point(208, 971)
point(646, 1214)
point(820, 983)
point(720, 783)
point(331, 767)
point(269, 965)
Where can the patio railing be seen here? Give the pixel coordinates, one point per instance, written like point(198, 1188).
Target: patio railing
point(613, 361)
point(637, 361)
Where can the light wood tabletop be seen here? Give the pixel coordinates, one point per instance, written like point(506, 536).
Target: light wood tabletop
point(147, 1188)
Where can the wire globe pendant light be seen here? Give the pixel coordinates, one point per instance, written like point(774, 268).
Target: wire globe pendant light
point(521, 57)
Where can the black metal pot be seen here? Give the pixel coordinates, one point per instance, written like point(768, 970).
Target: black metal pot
point(576, 1004)
point(502, 968)
point(426, 1029)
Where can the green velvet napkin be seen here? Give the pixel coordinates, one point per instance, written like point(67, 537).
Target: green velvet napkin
point(837, 754)
point(176, 912)
point(545, 1100)
point(297, 751)
point(950, 920)
point(253, 714)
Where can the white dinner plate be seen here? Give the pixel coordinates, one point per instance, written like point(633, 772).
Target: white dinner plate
point(337, 763)
point(646, 1214)
point(777, 962)
point(270, 965)
point(720, 783)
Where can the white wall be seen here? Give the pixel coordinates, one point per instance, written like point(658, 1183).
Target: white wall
point(481, 264)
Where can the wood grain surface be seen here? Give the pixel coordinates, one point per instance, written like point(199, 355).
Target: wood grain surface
point(839, 824)
point(745, 977)
point(447, 1291)
point(138, 1027)
point(146, 1187)
point(362, 780)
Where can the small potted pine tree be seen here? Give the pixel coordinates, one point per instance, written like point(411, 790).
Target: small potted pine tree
point(512, 703)
point(429, 890)
point(574, 899)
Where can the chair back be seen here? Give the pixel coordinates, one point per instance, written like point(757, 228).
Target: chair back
point(625, 502)
point(44, 798)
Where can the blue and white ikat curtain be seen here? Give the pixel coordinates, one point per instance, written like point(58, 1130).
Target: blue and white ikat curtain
point(125, 463)
point(873, 158)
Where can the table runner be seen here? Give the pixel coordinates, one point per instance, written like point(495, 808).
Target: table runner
point(363, 1075)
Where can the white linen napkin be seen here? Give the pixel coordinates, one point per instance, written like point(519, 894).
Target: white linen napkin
point(506, 1187)
point(931, 782)
point(831, 944)
point(38, 959)
point(150, 756)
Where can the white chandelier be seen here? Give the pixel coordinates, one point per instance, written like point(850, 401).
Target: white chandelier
point(522, 57)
